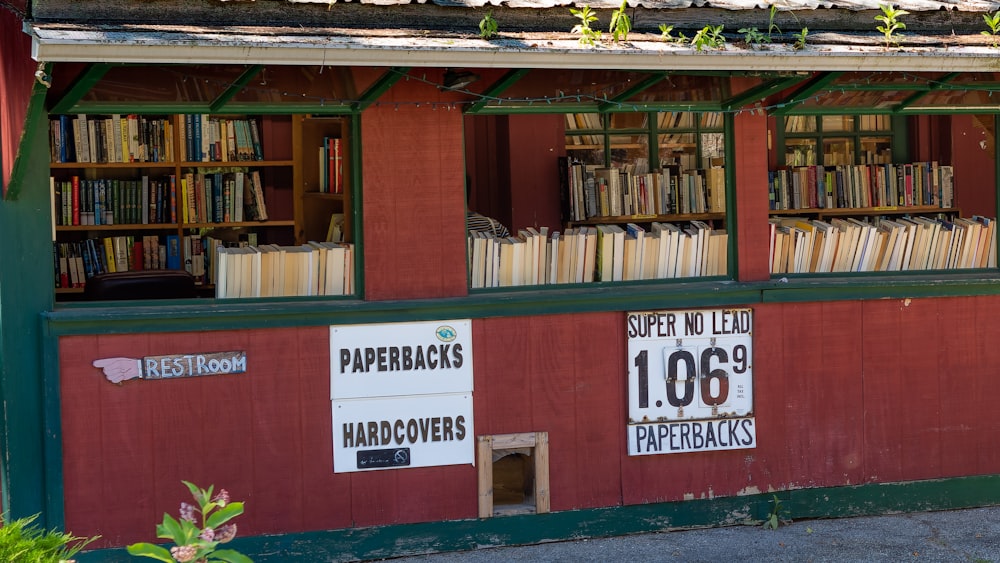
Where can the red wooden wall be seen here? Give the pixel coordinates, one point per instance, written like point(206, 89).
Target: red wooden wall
point(16, 81)
point(846, 392)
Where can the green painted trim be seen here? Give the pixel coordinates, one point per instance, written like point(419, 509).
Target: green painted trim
point(840, 110)
point(357, 216)
point(878, 287)
point(55, 514)
point(636, 88)
point(36, 117)
point(806, 91)
point(934, 86)
point(949, 110)
point(207, 314)
point(516, 107)
point(761, 91)
point(24, 474)
point(497, 88)
point(140, 108)
point(732, 259)
point(79, 88)
point(881, 87)
point(161, 108)
point(382, 542)
point(234, 88)
point(379, 87)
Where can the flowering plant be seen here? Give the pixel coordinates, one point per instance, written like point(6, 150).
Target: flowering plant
point(196, 541)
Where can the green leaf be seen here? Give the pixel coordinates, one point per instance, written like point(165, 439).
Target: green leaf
point(230, 556)
point(151, 551)
point(201, 496)
point(170, 529)
point(223, 515)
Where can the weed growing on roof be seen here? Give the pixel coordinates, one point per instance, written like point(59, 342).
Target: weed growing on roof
point(993, 21)
point(800, 39)
point(666, 34)
point(588, 35)
point(620, 24)
point(890, 23)
point(754, 37)
point(488, 26)
point(772, 27)
point(709, 37)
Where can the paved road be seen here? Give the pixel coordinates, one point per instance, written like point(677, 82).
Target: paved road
point(951, 536)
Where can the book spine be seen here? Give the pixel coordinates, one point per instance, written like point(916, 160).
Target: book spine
point(258, 148)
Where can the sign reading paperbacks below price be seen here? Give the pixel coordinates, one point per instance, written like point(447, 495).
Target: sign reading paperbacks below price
point(690, 381)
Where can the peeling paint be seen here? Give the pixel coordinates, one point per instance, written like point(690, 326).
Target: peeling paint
point(751, 490)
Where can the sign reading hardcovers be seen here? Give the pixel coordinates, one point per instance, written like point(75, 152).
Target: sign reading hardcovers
point(402, 395)
point(690, 381)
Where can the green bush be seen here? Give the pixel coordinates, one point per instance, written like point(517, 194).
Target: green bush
point(23, 541)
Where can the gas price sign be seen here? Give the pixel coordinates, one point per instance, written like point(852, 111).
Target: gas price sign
point(690, 381)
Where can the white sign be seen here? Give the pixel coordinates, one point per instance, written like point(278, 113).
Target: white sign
point(397, 432)
point(401, 395)
point(690, 381)
point(393, 359)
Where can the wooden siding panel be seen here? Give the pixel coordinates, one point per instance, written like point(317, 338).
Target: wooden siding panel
point(772, 460)
point(750, 132)
point(965, 366)
point(84, 473)
point(600, 397)
point(414, 212)
point(326, 496)
point(276, 425)
point(882, 341)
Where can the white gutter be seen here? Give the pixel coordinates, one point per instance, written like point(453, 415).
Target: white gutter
point(50, 43)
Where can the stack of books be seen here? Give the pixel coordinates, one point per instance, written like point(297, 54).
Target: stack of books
point(798, 245)
point(269, 270)
point(597, 254)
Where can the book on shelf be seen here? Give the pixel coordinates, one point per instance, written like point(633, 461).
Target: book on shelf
point(106, 201)
point(872, 244)
point(268, 270)
point(600, 253)
point(862, 185)
point(111, 138)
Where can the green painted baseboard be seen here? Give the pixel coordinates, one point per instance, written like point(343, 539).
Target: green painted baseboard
point(412, 539)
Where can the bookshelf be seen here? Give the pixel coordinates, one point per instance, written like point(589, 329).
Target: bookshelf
point(322, 181)
point(843, 204)
point(136, 192)
point(643, 198)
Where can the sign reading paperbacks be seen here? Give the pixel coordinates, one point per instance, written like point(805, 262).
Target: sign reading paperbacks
point(402, 395)
point(690, 381)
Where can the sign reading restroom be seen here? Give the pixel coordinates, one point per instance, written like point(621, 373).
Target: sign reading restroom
point(401, 395)
point(690, 381)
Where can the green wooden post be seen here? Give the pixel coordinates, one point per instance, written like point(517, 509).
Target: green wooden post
point(25, 292)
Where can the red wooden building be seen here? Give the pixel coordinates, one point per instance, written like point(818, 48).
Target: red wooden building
point(872, 385)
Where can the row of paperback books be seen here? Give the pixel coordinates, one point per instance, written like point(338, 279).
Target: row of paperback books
point(611, 192)
point(205, 196)
point(113, 138)
point(76, 262)
point(594, 254)
point(218, 139)
point(798, 245)
point(268, 270)
point(862, 185)
point(331, 166)
point(222, 196)
point(105, 201)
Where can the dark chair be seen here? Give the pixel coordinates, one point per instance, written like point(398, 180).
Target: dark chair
point(140, 284)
